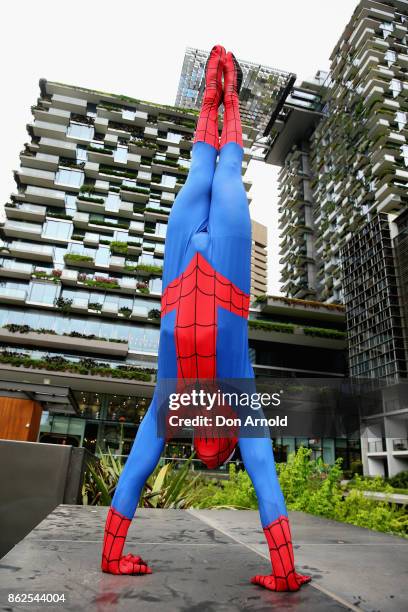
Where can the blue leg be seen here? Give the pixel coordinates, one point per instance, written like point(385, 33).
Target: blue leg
point(190, 210)
point(143, 458)
point(257, 455)
point(229, 224)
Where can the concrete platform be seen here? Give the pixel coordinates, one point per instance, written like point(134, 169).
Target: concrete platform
point(202, 562)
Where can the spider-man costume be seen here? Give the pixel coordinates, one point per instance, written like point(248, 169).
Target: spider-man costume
point(206, 282)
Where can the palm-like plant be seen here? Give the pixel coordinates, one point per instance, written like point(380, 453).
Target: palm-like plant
point(167, 487)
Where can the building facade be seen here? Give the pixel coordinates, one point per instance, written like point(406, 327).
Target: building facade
point(343, 200)
point(81, 259)
point(262, 87)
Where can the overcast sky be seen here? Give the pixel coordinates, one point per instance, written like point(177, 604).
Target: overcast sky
point(137, 49)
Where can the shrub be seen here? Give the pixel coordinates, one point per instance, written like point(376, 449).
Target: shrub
point(271, 326)
point(399, 481)
point(324, 333)
point(72, 257)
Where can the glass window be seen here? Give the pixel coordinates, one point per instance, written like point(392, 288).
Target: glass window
point(121, 154)
point(70, 203)
point(43, 292)
point(73, 178)
point(102, 256)
point(168, 181)
point(173, 137)
point(81, 153)
point(121, 236)
point(396, 87)
point(79, 130)
point(112, 202)
point(57, 229)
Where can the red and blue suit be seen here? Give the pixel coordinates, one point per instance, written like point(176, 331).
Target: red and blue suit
point(206, 287)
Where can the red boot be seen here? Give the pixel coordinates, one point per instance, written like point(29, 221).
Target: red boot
point(284, 577)
point(113, 562)
point(207, 125)
point(232, 129)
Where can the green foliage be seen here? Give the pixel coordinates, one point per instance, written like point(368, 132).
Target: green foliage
point(72, 257)
point(89, 198)
point(167, 487)
point(84, 366)
point(309, 486)
point(324, 333)
point(288, 328)
point(399, 481)
point(236, 492)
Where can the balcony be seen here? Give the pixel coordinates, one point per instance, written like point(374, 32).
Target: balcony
point(69, 277)
point(140, 313)
point(27, 212)
point(49, 130)
point(117, 263)
point(110, 308)
point(42, 161)
point(74, 105)
point(15, 269)
point(136, 227)
point(31, 176)
point(12, 296)
point(81, 219)
point(20, 229)
point(32, 251)
point(80, 304)
point(91, 239)
point(88, 206)
point(53, 197)
point(58, 147)
point(125, 210)
point(400, 446)
point(65, 343)
point(130, 194)
point(375, 446)
point(128, 285)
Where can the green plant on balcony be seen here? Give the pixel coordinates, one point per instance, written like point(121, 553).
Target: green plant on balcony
point(58, 215)
point(95, 306)
point(142, 190)
point(116, 172)
point(125, 312)
point(154, 270)
point(11, 205)
point(53, 278)
point(261, 299)
point(77, 237)
point(103, 150)
point(14, 328)
point(288, 328)
point(118, 247)
point(89, 198)
point(100, 282)
point(63, 304)
point(154, 314)
point(113, 188)
point(143, 288)
point(324, 333)
point(75, 257)
point(84, 366)
point(87, 188)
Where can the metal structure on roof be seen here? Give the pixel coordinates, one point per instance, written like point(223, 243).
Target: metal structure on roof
point(263, 92)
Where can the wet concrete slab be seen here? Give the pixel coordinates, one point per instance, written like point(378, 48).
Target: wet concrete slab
point(202, 562)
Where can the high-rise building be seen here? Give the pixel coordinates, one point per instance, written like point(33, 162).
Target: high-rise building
point(82, 250)
point(259, 260)
point(342, 143)
point(350, 159)
point(261, 91)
